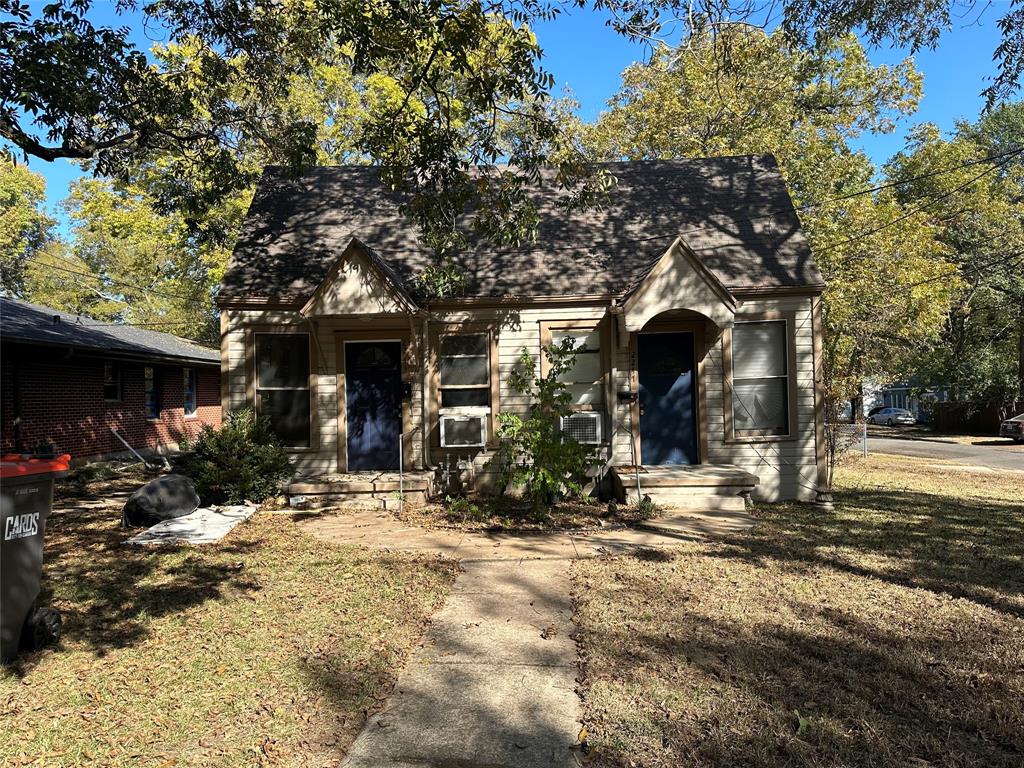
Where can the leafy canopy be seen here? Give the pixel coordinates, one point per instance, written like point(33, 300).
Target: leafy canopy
point(741, 91)
point(450, 84)
point(979, 217)
point(25, 228)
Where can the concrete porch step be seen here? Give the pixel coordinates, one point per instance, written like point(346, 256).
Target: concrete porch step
point(694, 488)
point(362, 490)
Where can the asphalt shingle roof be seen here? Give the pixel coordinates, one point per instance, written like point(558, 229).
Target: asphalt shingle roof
point(33, 324)
point(734, 212)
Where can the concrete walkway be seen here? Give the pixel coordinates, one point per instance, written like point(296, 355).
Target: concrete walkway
point(493, 683)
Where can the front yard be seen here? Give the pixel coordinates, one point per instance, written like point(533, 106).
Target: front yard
point(268, 648)
point(890, 633)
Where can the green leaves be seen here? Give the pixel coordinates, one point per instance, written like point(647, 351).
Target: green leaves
point(242, 461)
point(24, 226)
point(534, 454)
point(742, 91)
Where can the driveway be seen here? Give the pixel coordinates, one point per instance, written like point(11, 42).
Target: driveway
point(988, 456)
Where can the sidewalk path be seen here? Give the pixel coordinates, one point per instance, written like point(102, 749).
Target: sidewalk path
point(493, 683)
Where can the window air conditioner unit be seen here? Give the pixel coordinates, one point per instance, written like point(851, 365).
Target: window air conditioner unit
point(463, 431)
point(584, 428)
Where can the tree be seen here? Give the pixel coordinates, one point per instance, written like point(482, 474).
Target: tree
point(741, 91)
point(441, 78)
point(817, 24)
point(457, 70)
point(144, 268)
point(980, 219)
point(25, 229)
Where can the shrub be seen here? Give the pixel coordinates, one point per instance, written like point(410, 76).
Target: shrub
point(533, 452)
point(241, 461)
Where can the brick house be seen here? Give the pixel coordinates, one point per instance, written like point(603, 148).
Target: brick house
point(70, 380)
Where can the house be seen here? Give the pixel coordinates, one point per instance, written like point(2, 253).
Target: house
point(693, 288)
point(920, 399)
point(70, 380)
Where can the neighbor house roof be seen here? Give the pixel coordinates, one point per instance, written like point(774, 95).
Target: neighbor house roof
point(734, 213)
point(32, 324)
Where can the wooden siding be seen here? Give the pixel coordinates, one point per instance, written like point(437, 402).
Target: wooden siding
point(787, 469)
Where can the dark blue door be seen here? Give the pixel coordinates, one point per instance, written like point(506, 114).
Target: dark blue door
point(373, 403)
point(668, 412)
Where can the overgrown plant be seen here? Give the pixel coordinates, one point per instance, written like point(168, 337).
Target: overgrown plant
point(534, 454)
point(241, 461)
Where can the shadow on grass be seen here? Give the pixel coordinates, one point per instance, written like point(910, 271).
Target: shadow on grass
point(846, 693)
point(109, 597)
point(962, 547)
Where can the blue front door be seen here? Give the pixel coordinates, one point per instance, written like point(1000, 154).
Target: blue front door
point(373, 404)
point(668, 409)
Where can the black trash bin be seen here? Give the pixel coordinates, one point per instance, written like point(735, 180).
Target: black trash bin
point(26, 495)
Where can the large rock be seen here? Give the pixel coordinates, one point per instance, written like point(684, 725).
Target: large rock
point(162, 499)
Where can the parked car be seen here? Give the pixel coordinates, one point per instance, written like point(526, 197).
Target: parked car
point(875, 410)
point(1013, 428)
point(893, 417)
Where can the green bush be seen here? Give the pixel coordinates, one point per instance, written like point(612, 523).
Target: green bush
point(533, 453)
point(241, 461)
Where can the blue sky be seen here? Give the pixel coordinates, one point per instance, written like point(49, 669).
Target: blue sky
point(588, 57)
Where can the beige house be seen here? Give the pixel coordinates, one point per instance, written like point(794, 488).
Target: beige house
point(693, 290)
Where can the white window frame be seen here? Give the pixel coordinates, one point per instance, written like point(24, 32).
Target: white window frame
point(470, 410)
point(602, 377)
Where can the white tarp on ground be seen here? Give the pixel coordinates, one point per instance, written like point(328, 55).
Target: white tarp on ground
point(204, 526)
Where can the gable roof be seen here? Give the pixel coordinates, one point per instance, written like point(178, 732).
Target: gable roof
point(389, 284)
point(33, 324)
point(734, 213)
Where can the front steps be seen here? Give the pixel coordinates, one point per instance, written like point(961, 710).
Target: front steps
point(362, 490)
point(698, 488)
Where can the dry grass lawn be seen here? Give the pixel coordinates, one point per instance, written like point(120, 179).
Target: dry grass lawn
point(890, 633)
point(267, 649)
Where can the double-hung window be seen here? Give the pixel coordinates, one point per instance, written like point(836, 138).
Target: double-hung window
point(151, 393)
point(111, 382)
point(464, 381)
point(585, 379)
point(189, 391)
point(760, 378)
point(465, 372)
point(282, 385)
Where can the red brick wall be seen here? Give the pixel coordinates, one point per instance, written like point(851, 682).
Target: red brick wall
point(62, 402)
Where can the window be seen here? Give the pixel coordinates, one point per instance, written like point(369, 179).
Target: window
point(760, 386)
point(111, 382)
point(585, 380)
point(189, 391)
point(282, 385)
point(151, 394)
point(465, 372)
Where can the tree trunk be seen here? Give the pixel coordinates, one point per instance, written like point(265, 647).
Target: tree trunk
point(857, 404)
